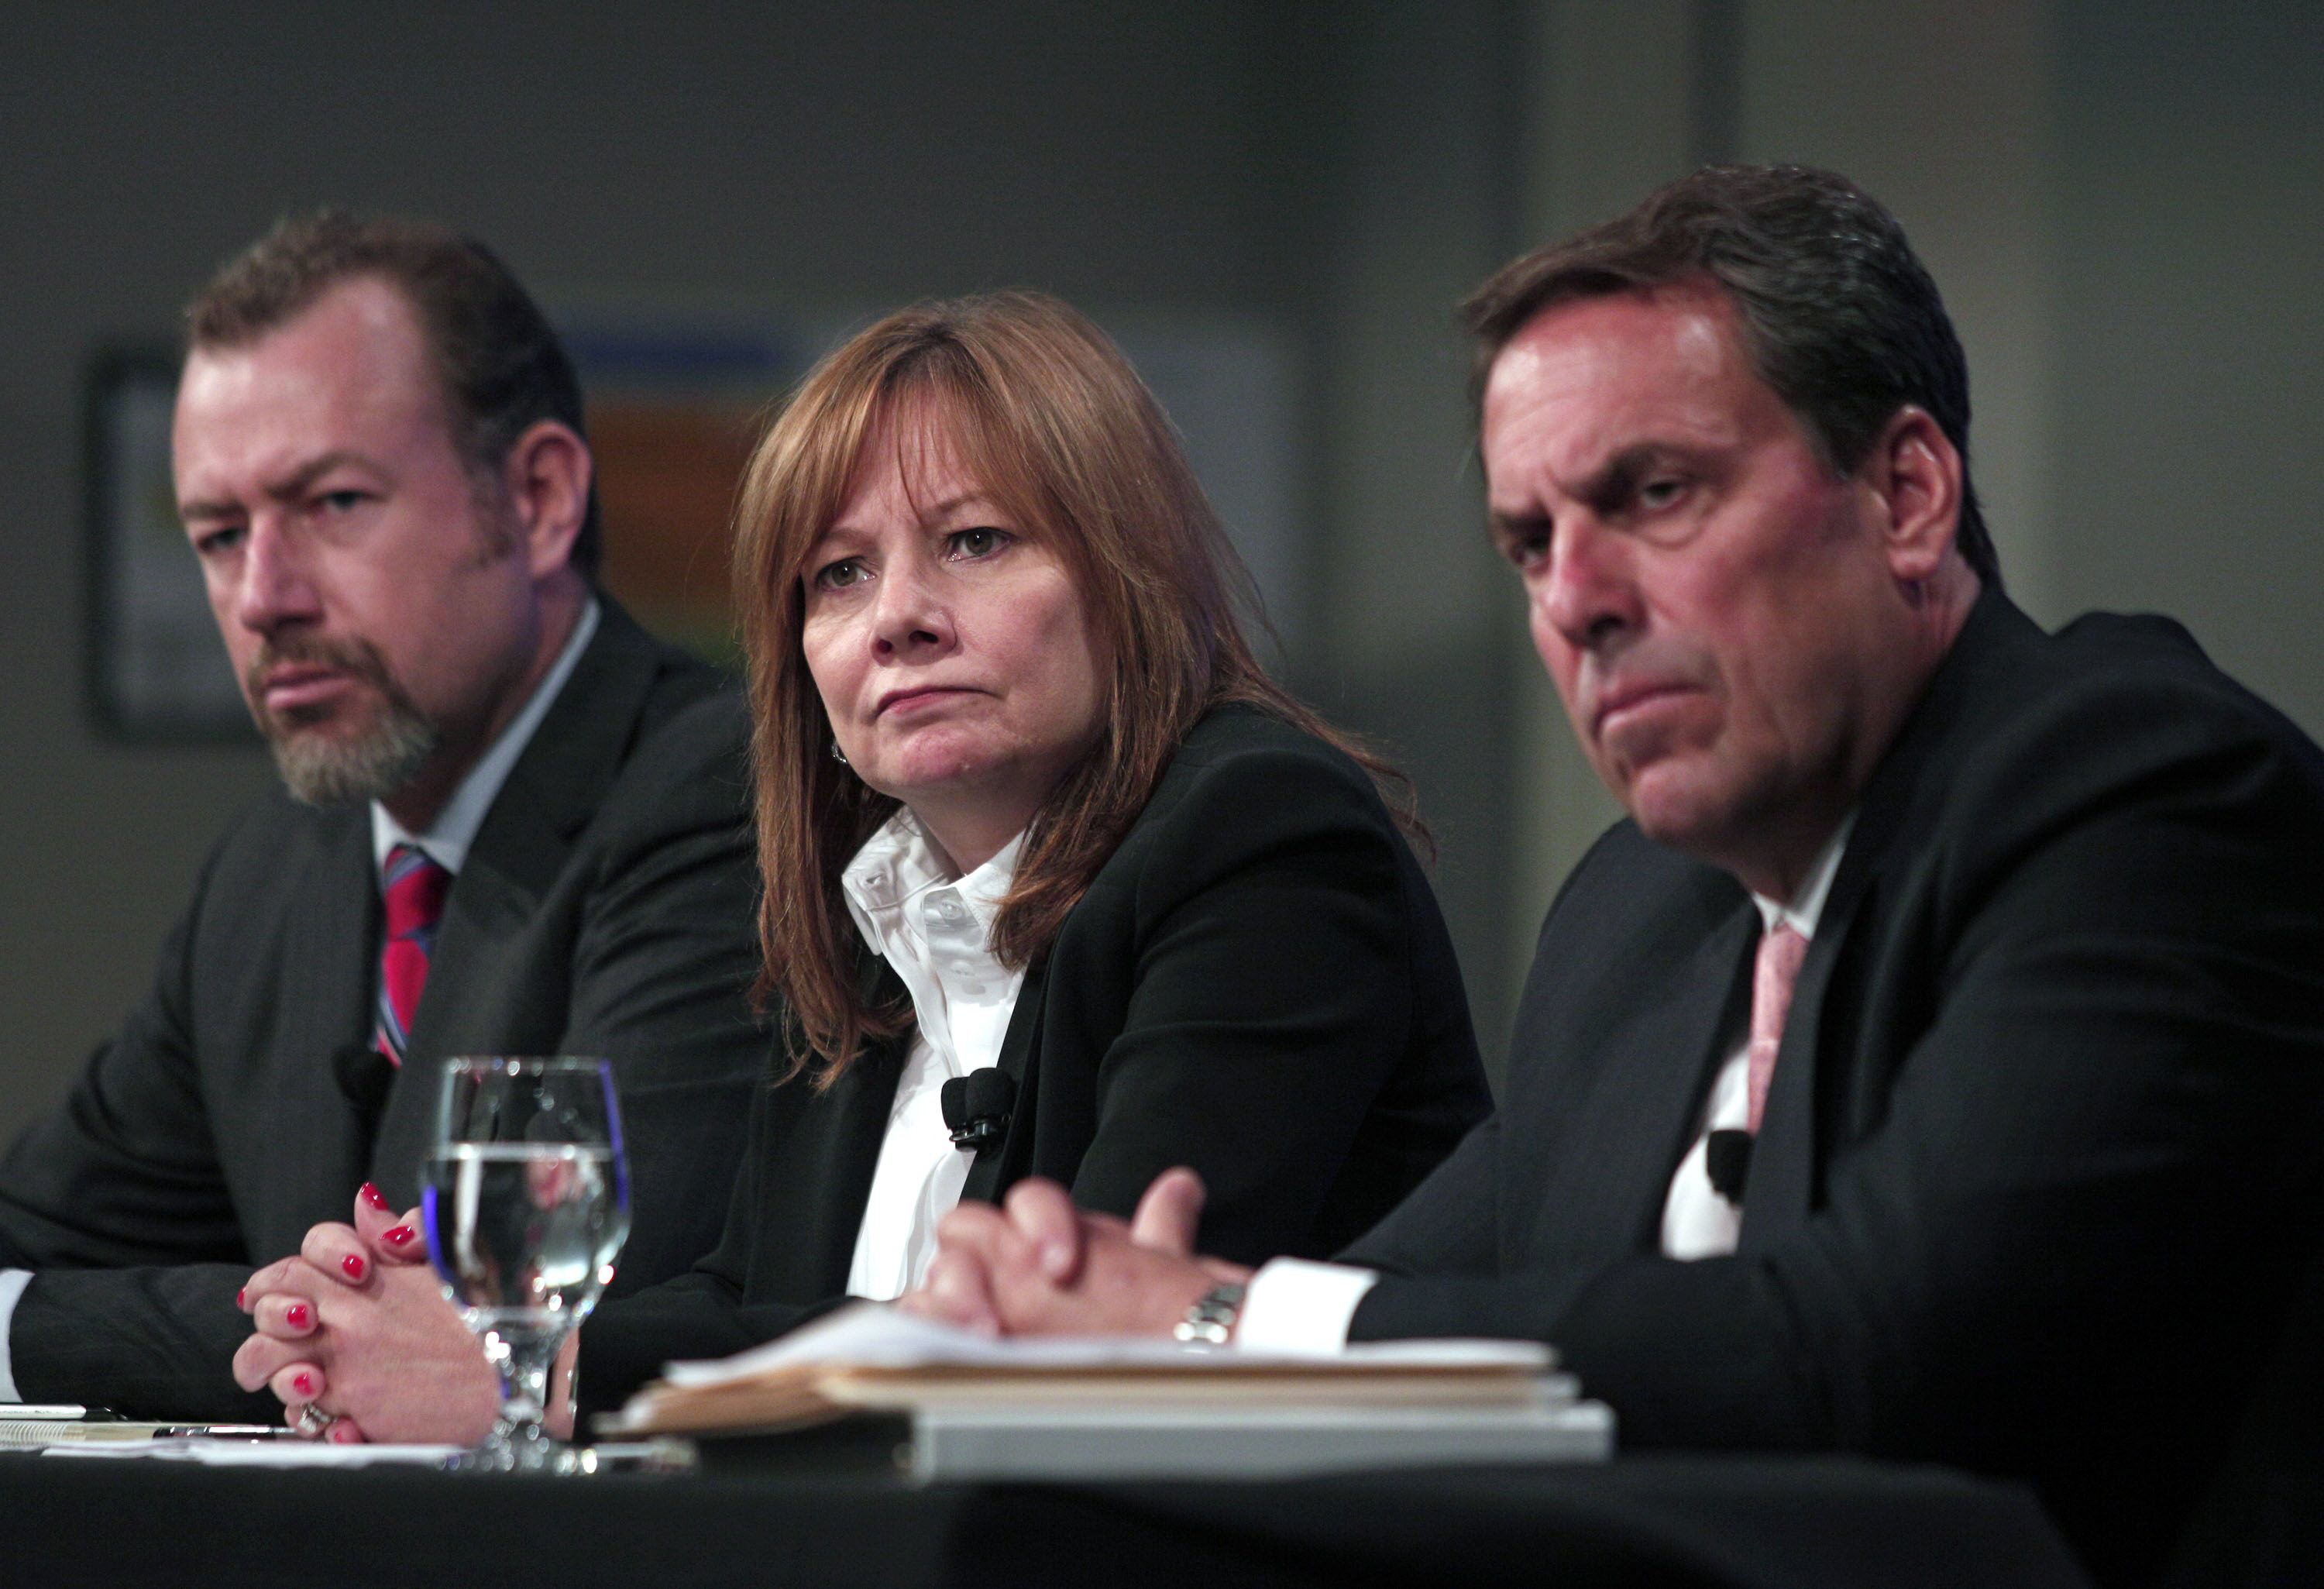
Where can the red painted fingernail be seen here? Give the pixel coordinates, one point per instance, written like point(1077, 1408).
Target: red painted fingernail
point(297, 1315)
point(238, 1297)
point(401, 1237)
point(353, 1264)
point(374, 1196)
point(304, 1383)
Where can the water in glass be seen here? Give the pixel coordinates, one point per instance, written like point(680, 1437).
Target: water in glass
point(526, 1205)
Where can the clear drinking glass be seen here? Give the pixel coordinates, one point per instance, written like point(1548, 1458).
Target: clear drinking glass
point(527, 1202)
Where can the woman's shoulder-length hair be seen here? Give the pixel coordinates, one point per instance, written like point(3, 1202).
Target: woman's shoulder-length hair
point(1042, 412)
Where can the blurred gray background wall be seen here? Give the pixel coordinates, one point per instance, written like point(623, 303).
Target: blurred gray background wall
point(2120, 200)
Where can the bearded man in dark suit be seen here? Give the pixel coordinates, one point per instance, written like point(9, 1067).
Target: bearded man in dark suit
point(1931, 1065)
point(512, 823)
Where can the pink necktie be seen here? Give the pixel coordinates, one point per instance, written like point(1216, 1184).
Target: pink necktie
point(1781, 950)
point(413, 888)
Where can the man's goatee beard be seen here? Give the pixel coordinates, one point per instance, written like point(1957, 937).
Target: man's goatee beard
point(369, 764)
point(373, 765)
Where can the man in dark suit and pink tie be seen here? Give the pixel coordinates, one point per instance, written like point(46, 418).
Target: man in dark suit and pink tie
point(1930, 1067)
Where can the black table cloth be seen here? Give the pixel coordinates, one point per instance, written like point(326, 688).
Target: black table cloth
point(1637, 1523)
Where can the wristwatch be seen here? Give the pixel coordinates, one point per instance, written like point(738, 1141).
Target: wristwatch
point(1211, 1321)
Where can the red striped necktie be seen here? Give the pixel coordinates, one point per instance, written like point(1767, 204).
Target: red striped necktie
point(413, 888)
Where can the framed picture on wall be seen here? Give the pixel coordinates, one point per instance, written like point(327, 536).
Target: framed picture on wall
point(154, 668)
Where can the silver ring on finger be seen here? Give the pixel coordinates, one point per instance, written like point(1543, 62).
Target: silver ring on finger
point(312, 1421)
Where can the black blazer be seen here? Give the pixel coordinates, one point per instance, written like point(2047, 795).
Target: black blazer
point(1257, 983)
point(605, 910)
point(2040, 1162)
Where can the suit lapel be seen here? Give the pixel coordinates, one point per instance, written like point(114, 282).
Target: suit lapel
point(1019, 1053)
point(332, 928)
point(552, 794)
point(558, 783)
point(1784, 1184)
point(817, 1167)
point(1806, 1101)
point(817, 1158)
point(1605, 1194)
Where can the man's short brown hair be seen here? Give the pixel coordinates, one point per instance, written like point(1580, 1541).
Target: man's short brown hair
point(1839, 317)
point(503, 367)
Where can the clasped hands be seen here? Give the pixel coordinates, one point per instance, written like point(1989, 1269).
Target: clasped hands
point(357, 1329)
point(1037, 1265)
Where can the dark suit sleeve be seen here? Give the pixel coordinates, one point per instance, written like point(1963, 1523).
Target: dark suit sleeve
point(118, 1203)
point(154, 1340)
point(662, 965)
point(125, 1171)
point(697, 1315)
point(1438, 1230)
point(1274, 995)
point(2057, 1220)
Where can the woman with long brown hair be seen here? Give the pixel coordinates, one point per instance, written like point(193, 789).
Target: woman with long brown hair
point(1057, 881)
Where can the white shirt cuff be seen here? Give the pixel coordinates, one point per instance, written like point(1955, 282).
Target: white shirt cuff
point(13, 1282)
point(1296, 1306)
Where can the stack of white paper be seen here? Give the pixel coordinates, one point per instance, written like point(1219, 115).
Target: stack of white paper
point(1113, 1408)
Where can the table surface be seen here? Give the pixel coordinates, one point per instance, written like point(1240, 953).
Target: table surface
point(1639, 1522)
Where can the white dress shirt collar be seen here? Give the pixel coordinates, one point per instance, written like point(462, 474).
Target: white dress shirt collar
point(1806, 908)
point(900, 863)
point(935, 931)
point(448, 838)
